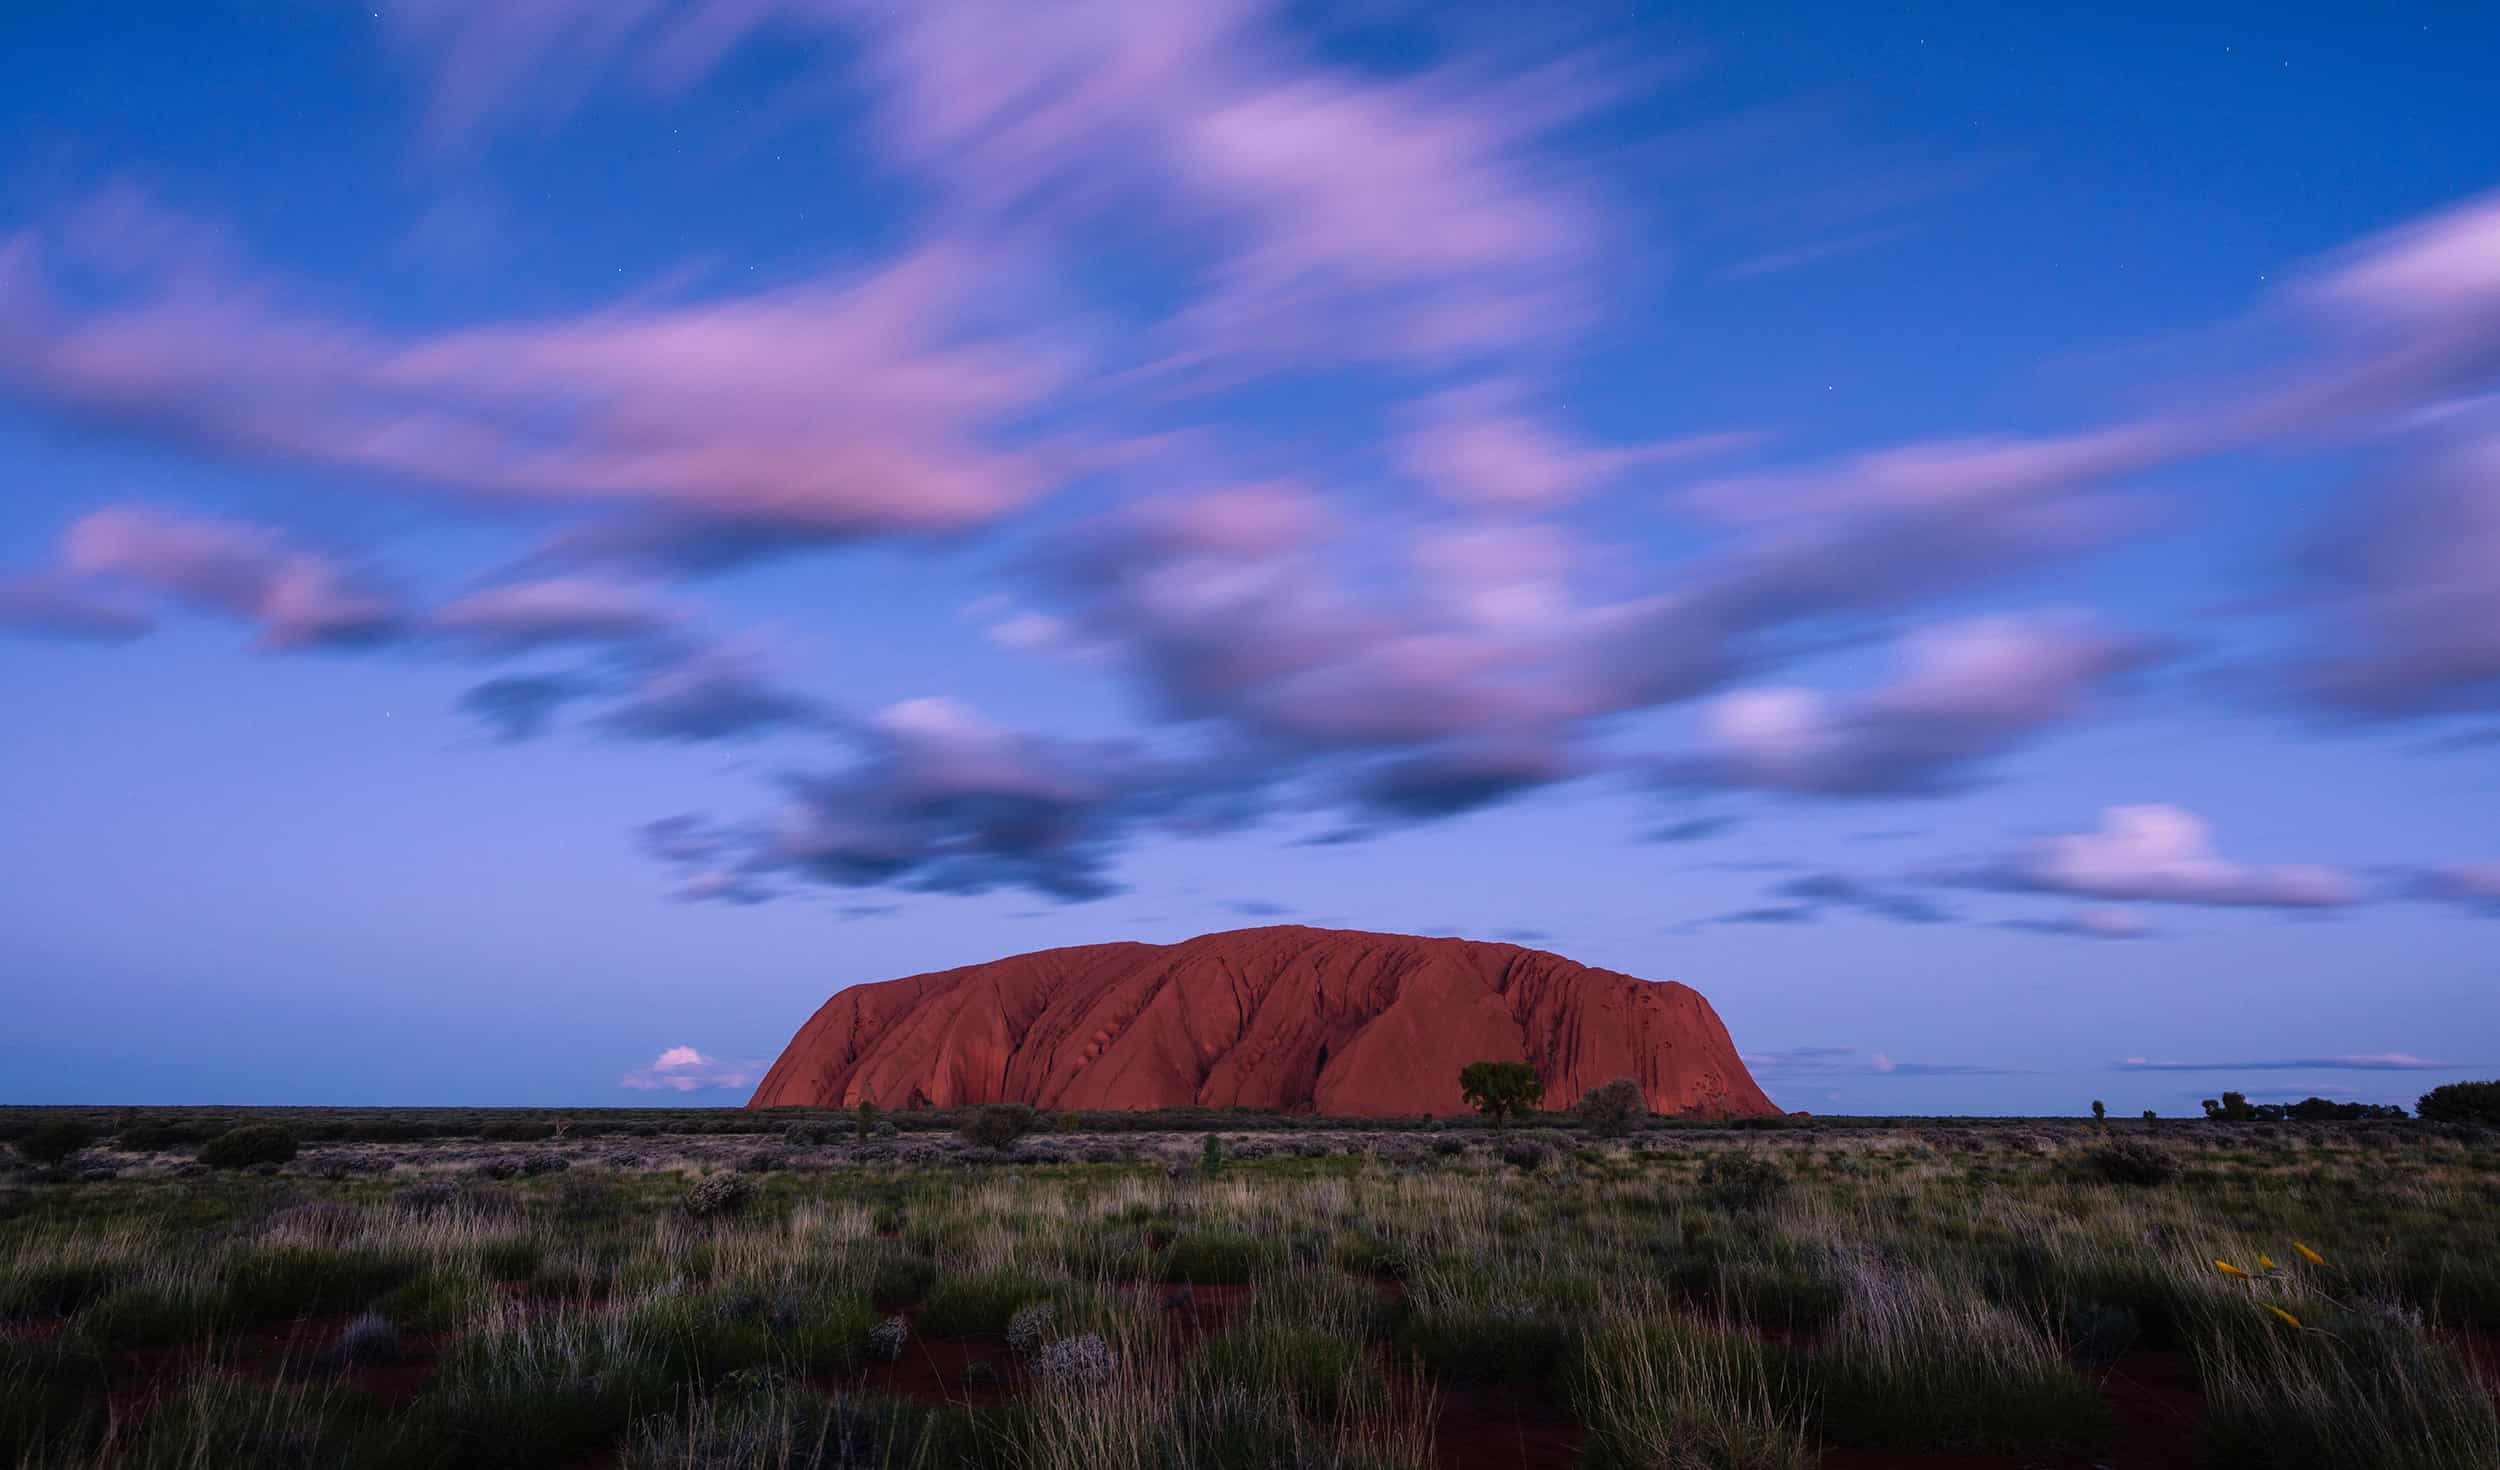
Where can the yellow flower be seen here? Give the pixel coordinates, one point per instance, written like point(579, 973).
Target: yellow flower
point(2227, 1269)
point(2264, 1262)
point(2286, 1316)
point(2306, 1254)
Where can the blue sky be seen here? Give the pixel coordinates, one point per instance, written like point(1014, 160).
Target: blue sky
point(537, 542)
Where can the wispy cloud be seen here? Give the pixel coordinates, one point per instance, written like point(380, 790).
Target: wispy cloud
point(2390, 1061)
point(1842, 1061)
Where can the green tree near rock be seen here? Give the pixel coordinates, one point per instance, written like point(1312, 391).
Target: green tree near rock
point(1501, 1090)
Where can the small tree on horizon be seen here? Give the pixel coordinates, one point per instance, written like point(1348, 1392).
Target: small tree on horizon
point(2460, 1102)
point(1500, 1090)
point(2100, 1110)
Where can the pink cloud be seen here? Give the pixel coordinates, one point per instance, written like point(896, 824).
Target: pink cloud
point(296, 598)
point(1479, 446)
point(684, 1069)
point(1965, 692)
point(835, 407)
point(2163, 854)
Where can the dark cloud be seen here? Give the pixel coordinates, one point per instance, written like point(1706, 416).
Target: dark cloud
point(520, 707)
point(942, 802)
point(711, 692)
point(1448, 780)
point(1838, 890)
point(1694, 829)
point(1258, 908)
point(1525, 936)
point(1810, 896)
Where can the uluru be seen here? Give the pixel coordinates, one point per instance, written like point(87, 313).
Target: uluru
point(1303, 1020)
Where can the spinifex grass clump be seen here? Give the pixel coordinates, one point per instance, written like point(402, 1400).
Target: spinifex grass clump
point(230, 1420)
point(775, 1424)
point(2301, 1373)
point(1659, 1391)
point(539, 1389)
point(1915, 1362)
point(1217, 1257)
point(51, 1401)
point(969, 1302)
point(707, 1336)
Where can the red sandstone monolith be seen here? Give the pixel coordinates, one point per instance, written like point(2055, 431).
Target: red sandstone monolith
point(1305, 1020)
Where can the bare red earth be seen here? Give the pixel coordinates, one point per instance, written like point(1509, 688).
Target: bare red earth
point(1306, 1020)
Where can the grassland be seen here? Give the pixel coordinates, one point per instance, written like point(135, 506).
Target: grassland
point(1117, 1293)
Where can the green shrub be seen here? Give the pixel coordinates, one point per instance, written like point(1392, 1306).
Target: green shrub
point(253, 1143)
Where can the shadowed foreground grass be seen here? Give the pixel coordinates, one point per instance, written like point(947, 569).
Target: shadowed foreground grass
point(1678, 1299)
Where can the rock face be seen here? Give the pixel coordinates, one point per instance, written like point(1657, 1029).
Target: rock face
point(1307, 1020)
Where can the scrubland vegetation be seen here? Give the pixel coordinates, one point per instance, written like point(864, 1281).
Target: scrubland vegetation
point(1031, 1293)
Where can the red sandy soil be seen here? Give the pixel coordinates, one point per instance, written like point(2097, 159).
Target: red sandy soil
point(1309, 1020)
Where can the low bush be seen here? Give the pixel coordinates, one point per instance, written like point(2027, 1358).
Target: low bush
point(253, 1143)
point(50, 1143)
point(997, 1126)
point(1612, 1109)
point(717, 1197)
point(1742, 1183)
point(2133, 1161)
